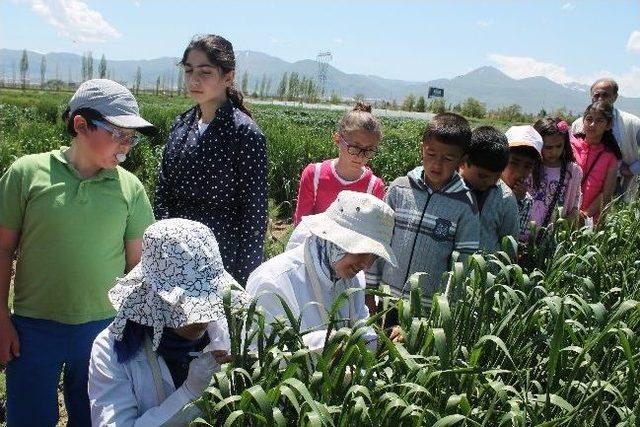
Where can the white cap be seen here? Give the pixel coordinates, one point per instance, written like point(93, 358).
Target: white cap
point(524, 136)
point(113, 101)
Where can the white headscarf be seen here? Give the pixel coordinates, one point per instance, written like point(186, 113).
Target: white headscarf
point(320, 256)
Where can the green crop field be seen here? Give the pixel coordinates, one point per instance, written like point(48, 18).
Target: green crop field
point(30, 122)
point(554, 343)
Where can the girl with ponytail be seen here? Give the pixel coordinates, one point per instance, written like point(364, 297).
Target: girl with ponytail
point(214, 167)
point(357, 138)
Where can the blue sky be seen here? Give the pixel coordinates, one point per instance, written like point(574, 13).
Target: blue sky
point(565, 40)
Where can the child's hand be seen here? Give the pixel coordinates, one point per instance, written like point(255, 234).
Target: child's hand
point(583, 216)
point(222, 356)
point(625, 171)
point(396, 334)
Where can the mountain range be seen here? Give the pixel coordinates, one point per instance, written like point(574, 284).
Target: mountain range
point(486, 84)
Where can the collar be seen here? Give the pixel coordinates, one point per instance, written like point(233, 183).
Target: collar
point(454, 185)
point(344, 181)
point(102, 174)
point(224, 111)
point(193, 113)
point(525, 200)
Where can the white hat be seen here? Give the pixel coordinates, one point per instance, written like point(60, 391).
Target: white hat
point(113, 101)
point(179, 281)
point(359, 223)
point(524, 136)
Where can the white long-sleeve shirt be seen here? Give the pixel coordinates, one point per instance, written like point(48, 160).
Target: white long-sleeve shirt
point(124, 394)
point(286, 276)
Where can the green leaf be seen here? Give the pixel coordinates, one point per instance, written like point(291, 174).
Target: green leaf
point(449, 420)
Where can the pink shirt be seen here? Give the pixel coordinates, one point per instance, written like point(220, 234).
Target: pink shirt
point(595, 165)
point(569, 198)
point(329, 185)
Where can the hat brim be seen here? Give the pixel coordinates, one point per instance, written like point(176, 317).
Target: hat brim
point(349, 240)
point(134, 295)
point(125, 286)
point(133, 122)
point(522, 144)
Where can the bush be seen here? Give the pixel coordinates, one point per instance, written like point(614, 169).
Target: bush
point(473, 108)
point(409, 102)
point(437, 106)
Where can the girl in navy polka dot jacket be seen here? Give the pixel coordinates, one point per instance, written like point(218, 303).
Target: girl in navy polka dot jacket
point(214, 167)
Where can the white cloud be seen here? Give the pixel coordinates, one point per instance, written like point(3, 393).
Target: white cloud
point(483, 24)
point(137, 3)
point(74, 19)
point(629, 82)
point(633, 44)
point(338, 40)
point(568, 6)
point(520, 67)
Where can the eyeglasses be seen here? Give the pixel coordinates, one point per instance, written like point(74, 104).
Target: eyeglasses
point(119, 136)
point(357, 151)
point(593, 120)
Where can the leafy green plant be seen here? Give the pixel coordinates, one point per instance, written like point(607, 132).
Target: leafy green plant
point(498, 346)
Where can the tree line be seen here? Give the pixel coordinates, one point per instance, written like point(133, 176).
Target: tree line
point(473, 108)
point(291, 87)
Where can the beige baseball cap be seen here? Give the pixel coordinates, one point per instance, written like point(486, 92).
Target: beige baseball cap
point(524, 136)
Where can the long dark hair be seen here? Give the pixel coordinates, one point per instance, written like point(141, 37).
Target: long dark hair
point(132, 340)
point(550, 126)
point(608, 140)
point(220, 52)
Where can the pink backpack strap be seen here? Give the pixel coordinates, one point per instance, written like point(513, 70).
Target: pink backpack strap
point(372, 182)
point(316, 181)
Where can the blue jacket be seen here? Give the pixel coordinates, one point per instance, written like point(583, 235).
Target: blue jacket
point(218, 178)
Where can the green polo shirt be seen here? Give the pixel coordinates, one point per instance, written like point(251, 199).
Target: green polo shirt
point(72, 233)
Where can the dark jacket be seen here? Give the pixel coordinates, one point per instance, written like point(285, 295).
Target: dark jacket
point(218, 178)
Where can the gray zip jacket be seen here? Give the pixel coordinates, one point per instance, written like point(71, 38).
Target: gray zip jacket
point(498, 217)
point(429, 226)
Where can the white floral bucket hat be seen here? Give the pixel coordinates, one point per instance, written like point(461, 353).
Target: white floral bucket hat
point(359, 223)
point(179, 281)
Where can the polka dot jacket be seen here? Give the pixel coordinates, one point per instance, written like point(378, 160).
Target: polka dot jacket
point(218, 178)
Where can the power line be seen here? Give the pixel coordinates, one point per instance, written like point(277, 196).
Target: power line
point(323, 59)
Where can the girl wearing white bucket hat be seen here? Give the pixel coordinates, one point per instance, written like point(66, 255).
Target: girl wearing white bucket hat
point(143, 370)
point(345, 239)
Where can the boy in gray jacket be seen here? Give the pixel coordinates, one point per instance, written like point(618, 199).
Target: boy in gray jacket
point(487, 157)
point(435, 213)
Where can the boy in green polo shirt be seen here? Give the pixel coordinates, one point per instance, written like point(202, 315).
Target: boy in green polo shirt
point(75, 220)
